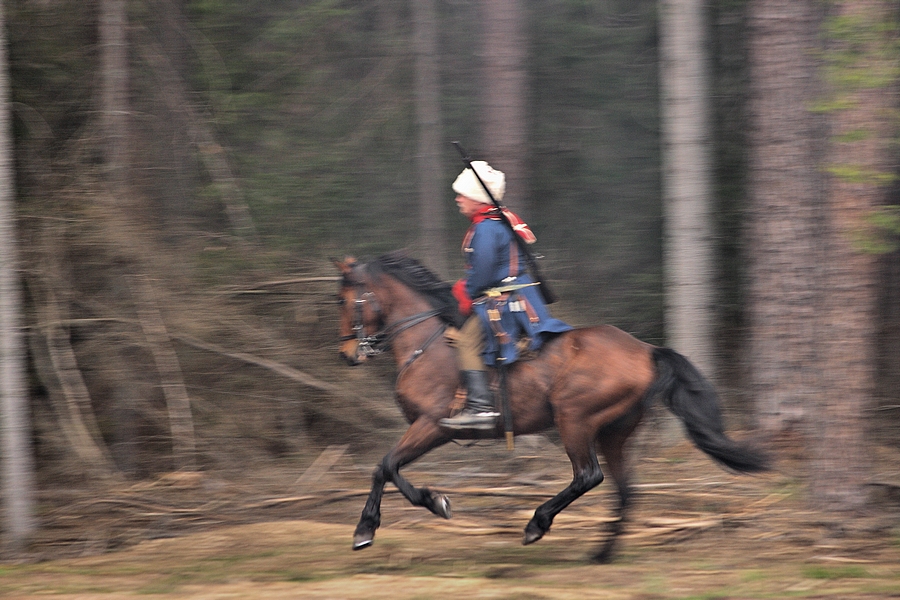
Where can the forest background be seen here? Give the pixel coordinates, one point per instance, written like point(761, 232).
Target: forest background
point(177, 291)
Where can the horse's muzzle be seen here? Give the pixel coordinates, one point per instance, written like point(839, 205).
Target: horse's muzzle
point(352, 359)
point(349, 351)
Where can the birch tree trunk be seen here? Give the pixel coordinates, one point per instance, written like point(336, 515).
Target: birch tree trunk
point(504, 88)
point(18, 483)
point(687, 175)
point(429, 168)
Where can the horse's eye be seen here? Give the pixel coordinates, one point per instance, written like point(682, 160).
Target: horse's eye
point(341, 301)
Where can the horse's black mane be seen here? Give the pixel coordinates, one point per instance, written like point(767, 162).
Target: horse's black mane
point(417, 277)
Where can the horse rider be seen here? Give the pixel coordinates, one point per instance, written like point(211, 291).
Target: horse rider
point(494, 264)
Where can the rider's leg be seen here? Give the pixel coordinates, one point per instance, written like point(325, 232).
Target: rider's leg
point(479, 412)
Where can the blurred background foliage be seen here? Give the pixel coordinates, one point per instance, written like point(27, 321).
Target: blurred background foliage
point(303, 113)
point(311, 105)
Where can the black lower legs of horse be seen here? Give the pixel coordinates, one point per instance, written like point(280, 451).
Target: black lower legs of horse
point(370, 520)
point(587, 478)
point(584, 481)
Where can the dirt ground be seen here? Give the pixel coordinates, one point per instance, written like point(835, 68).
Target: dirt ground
point(695, 531)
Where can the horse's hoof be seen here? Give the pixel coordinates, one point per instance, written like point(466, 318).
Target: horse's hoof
point(361, 541)
point(531, 537)
point(442, 506)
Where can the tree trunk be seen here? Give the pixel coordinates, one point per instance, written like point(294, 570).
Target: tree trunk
point(177, 154)
point(70, 394)
point(178, 403)
point(174, 93)
point(504, 85)
point(432, 198)
point(18, 478)
point(859, 161)
point(816, 175)
point(687, 175)
point(114, 105)
point(889, 344)
point(785, 214)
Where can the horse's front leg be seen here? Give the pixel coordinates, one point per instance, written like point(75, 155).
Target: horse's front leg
point(370, 519)
point(422, 436)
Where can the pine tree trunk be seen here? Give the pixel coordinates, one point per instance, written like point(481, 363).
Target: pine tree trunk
point(212, 155)
point(785, 217)
point(114, 105)
point(815, 176)
point(504, 89)
point(432, 198)
point(859, 161)
point(889, 342)
point(178, 156)
point(18, 477)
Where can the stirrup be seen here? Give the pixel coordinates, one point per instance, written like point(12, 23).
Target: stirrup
point(470, 418)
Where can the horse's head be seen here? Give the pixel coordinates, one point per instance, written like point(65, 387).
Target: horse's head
point(360, 311)
point(385, 297)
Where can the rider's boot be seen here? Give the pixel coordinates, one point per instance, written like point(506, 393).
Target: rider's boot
point(479, 412)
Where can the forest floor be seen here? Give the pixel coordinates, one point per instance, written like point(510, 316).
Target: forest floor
point(695, 532)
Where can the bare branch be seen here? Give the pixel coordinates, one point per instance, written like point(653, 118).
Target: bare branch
point(284, 370)
point(179, 404)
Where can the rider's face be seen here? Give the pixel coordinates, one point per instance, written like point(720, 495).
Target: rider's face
point(467, 206)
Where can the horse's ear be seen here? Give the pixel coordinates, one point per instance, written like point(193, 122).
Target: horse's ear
point(346, 265)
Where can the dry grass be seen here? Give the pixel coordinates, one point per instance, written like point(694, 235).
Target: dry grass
point(695, 532)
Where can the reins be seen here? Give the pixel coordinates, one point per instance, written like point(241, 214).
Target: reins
point(417, 353)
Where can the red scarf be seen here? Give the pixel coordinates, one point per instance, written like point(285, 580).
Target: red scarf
point(519, 226)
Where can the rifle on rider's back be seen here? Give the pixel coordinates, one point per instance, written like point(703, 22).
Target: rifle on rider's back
point(548, 296)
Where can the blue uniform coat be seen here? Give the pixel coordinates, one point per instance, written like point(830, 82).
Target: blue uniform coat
point(493, 260)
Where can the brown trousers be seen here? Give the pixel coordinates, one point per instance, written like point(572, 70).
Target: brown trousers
point(469, 343)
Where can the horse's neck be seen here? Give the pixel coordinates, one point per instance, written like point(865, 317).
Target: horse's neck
point(407, 341)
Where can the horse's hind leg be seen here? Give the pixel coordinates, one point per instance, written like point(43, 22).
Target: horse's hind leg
point(579, 446)
point(421, 437)
point(612, 451)
point(612, 445)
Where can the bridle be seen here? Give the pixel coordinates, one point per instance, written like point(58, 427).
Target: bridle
point(380, 341)
point(368, 345)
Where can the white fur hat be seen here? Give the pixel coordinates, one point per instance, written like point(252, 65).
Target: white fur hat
point(468, 185)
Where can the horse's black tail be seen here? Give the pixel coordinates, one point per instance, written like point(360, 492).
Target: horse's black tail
point(692, 398)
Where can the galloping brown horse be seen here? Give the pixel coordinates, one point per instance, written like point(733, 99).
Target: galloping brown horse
point(594, 384)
